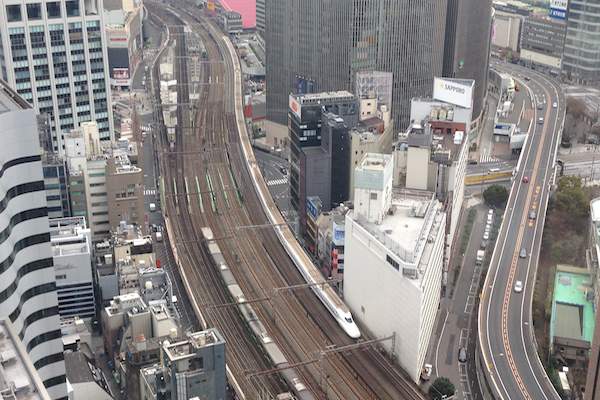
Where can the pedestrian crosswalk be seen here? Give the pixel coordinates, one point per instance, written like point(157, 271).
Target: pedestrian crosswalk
point(149, 192)
point(277, 182)
point(486, 157)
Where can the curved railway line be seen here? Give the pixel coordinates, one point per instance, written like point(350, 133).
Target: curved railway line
point(207, 184)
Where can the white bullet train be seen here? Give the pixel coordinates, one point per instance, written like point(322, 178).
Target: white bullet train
point(303, 262)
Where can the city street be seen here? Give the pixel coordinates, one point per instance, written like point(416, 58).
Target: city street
point(272, 167)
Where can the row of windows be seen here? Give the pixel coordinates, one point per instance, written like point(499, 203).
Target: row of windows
point(21, 217)
point(28, 294)
point(36, 316)
point(24, 270)
point(33, 11)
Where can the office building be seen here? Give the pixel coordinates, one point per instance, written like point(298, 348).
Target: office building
point(260, 16)
point(56, 184)
point(581, 60)
point(123, 24)
point(403, 37)
point(319, 143)
point(432, 154)
point(54, 55)
point(506, 29)
point(27, 277)
point(19, 379)
point(197, 365)
point(467, 45)
point(72, 253)
point(394, 250)
point(124, 191)
point(542, 42)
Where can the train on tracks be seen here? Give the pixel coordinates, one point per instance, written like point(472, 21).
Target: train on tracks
point(271, 348)
point(302, 261)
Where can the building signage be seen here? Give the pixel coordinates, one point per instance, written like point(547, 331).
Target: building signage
point(295, 107)
point(312, 208)
point(459, 93)
point(558, 9)
point(339, 234)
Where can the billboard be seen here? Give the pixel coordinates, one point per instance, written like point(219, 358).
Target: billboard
point(454, 91)
point(339, 234)
point(295, 107)
point(558, 9)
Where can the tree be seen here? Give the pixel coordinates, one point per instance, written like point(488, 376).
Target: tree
point(571, 199)
point(441, 388)
point(576, 108)
point(495, 196)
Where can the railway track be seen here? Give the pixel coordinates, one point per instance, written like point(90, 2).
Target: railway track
point(242, 352)
point(208, 159)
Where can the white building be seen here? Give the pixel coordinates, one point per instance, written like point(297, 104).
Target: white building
point(71, 245)
point(54, 54)
point(27, 280)
point(87, 164)
point(394, 245)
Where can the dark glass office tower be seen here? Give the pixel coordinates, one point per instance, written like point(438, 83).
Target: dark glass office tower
point(327, 42)
point(467, 45)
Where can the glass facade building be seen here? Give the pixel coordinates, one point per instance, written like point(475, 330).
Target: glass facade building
point(54, 55)
point(327, 43)
point(581, 59)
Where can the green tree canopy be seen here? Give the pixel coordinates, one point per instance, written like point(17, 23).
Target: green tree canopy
point(496, 195)
point(571, 199)
point(441, 387)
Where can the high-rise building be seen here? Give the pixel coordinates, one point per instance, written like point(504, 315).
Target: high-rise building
point(72, 253)
point(260, 16)
point(54, 55)
point(320, 142)
point(467, 45)
point(327, 43)
point(27, 280)
point(197, 365)
point(542, 41)
point(394, 252)
point(581, 60)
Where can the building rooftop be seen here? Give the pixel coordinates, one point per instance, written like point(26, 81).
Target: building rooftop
point(573, 304)
point(315, 98)
point(194, 341)
point(18, 378)
point(11, 100)
point(445, 148)
point(407, 226)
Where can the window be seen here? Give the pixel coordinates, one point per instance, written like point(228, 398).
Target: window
point(373, 196)
point(392, 262)
point(53, 9)
point(72, 8)
point(34, 11)
point(61, 276)
point(13, 12)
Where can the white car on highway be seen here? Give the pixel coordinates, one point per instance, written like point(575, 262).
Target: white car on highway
point(518, 287)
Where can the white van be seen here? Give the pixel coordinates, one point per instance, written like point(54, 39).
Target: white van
point(152, 207)
point(159, 237)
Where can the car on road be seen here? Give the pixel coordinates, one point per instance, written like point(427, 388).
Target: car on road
point(523, 253)
point(486, 235)
point(540, 121)
point(518, 287)
point(540, 106)
point(554, 105)
point(283, 170)
point(525, 179)
point(483, 244)
point(152, 207)
point(532, 214)
point(473, 162)
point(462, 355)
